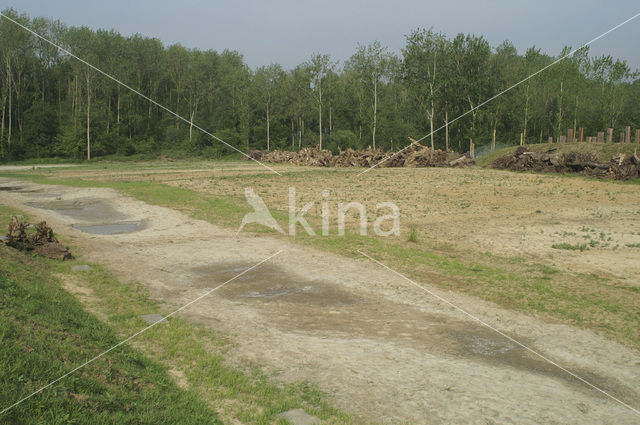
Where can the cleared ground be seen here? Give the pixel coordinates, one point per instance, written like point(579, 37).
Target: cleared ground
point(387, 351)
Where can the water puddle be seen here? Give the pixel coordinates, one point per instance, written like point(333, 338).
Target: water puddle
point(110, 229)
point(295, 303)
point(271, 283)
point(88, 210)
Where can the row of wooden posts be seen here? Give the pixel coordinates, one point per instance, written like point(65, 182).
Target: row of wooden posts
point(625, 137)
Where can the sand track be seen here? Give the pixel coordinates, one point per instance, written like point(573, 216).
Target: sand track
point(383, 349)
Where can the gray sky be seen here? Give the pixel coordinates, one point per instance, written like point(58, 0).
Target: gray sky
point(289, 31)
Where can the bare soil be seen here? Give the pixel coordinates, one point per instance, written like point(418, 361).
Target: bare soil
point(380, 347)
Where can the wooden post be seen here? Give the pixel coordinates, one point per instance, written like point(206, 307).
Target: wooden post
point(563, 138)
point(638, 136)
point(622, 137)
point(570, 135)
point(472, 152)
point(627, 134)
point(521, 139)
point(581, 134)
point(609, 135)
point(550, 139)
point(493, 141)
point(600, 136)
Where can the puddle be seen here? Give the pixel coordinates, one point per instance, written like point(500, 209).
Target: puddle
point(10, 188)
point(294, 303)
point(40, 194)
point(110, 229)
point(271, 283)
point(91, 210)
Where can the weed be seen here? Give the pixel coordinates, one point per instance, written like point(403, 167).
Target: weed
point(567, 246)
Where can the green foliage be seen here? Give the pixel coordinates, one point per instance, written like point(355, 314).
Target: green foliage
point(55, 104)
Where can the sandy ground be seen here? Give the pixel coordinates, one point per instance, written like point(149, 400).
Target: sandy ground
point(505, 213)
point(380, 347)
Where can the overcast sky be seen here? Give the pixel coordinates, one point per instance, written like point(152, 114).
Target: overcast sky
point(290, 31)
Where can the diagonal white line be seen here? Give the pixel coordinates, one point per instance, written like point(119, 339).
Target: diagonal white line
point(604, 34)
point(62, 49)
point(499, 332)
point(136, 334)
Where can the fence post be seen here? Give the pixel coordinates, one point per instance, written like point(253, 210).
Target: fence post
point(609, 135)
point(550, 139)
point(570, 135)
point(581, 134)
point(472, 150)
point(638, 136)
point(627, 134)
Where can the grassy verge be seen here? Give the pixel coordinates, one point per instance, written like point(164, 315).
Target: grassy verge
point(182, 377)
point(44, 333)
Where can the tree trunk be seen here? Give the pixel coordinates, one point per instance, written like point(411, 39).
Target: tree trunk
point(268, 123)
point(9, 83)
point(193, 113)
point(320, 115)
point(9, 124)
point(118, 112)
point(446, 130)
point(560, 117)
point(493, 139)
point(74, 101)
point(575, 118)
point(4, 106)
point(526, 114)
point(375, 111)
point(330, 121)
point(108, 113)
point(300, 124)
point(433, 109)
point(88, 119)
point(293, 136)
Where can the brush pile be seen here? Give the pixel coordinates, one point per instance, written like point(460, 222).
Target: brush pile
point(416, 155)
point(620, 167)
point(42, 242)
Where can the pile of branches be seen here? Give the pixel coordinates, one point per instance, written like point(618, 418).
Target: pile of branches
point(43, 241)
point(416, 155)
point(620, 167)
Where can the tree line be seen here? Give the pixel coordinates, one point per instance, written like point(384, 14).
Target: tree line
point(56, 106)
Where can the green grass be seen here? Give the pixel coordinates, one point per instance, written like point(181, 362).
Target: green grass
point(413, 234)
point(45, 332)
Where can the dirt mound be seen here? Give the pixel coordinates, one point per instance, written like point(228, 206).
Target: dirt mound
point(620, 167)
point(42, 242)
point(416, 155)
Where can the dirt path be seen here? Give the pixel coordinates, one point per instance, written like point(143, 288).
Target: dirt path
point(383, 349)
